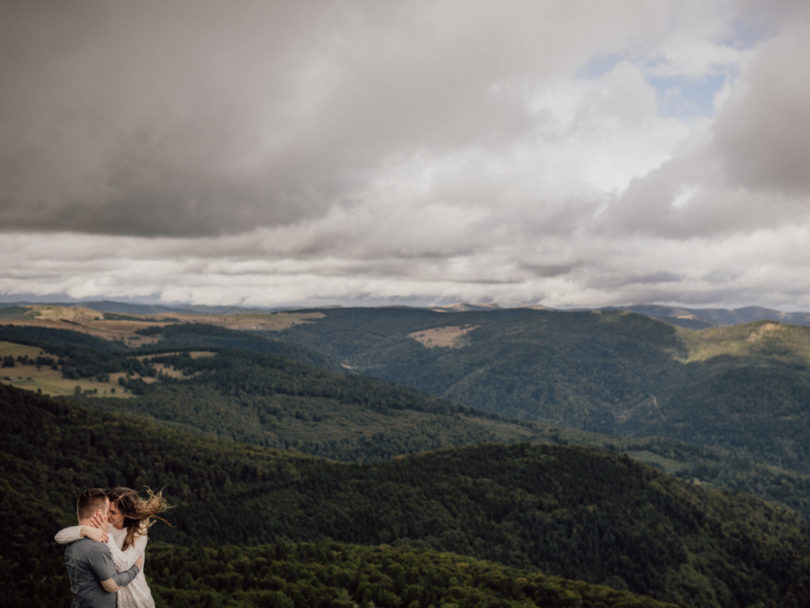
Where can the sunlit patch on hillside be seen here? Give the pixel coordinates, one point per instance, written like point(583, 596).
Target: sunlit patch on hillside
point(762, 330)
point(27, 367)
point(127, 327)
point(277, 321)
point(21, 369)
point(76, 314)
point(450, 336)
point(761, 338)
point(108, 326)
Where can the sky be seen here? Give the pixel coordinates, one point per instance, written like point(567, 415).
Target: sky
point(357, 152)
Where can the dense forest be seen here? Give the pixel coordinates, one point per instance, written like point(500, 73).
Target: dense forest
point(580, 513)
point(745, 389)
point(264, 398)
point(337, 575)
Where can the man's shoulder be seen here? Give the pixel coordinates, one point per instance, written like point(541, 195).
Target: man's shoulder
point(86, 547)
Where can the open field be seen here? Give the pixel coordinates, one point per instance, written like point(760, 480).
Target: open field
point(110, 326)
point(10, 349)
point(47, 380)
point(50, 381)
point(276, 321)
point(85, 320)
point(450, 336)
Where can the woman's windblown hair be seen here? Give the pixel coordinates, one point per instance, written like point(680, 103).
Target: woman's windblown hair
point(138, 512)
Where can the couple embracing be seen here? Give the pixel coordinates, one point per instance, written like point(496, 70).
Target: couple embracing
point(105, 552)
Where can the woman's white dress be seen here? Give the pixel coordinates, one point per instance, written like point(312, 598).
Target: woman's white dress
point(137, 593)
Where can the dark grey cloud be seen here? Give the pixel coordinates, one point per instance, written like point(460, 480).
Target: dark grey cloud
point(763, 136)
point(200, 118)
point(195, 118)
point(148, 118)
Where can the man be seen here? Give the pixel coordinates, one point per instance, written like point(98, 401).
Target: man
point(90, 567)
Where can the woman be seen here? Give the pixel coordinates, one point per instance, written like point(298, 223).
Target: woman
point(130, 518)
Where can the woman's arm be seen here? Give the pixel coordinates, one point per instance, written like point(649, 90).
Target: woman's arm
point(123, 560)
point(68, 535)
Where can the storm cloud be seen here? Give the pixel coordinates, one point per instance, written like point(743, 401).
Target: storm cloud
point(286, 153)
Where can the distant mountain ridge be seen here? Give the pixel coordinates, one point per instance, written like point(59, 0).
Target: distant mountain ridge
point(701, 318)
point(683, 316)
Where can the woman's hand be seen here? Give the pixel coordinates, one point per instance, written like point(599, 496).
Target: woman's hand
point(98, 521)
point(97, 530)
point(96, 534)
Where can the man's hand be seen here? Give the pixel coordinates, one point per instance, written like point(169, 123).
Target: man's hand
point(111, 586)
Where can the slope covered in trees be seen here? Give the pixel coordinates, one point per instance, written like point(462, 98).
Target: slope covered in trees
point(580, 513)
point(337, 575)
point(279, 402)
point(744, 388)
point(263, 398)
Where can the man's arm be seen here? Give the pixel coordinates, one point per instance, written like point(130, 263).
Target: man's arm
point(122, 579)
point(125, 559)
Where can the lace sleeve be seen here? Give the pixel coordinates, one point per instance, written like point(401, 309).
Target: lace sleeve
point(123, 560)
point(68, 535)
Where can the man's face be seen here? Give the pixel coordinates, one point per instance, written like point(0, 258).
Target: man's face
point(116, 518)
point(105, 510)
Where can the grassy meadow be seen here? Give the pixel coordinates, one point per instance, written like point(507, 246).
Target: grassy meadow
point(48, 381)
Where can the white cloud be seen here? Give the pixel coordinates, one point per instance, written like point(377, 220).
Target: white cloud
point(295, 152)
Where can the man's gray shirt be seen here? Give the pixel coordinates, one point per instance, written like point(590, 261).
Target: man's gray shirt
point(88, 563)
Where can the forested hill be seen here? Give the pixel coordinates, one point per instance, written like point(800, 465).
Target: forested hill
point(745, 388)
point(742, 388)
point(260, 397)
point(279, 402)
point(580, 513)
point(86, 354)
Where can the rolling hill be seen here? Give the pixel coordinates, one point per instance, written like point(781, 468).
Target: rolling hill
point(255, 395)
point(583, 514)
point(743, 388)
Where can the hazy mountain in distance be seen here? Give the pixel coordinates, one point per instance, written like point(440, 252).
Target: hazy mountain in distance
point(701, 318)
point(136, 308)
point(691, 318)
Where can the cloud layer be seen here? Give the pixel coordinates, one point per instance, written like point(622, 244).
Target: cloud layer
point(286, 153)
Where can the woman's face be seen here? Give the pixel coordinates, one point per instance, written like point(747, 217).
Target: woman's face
point(116, 517)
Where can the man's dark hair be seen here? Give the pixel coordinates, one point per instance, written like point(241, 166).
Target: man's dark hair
point(90, 501)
